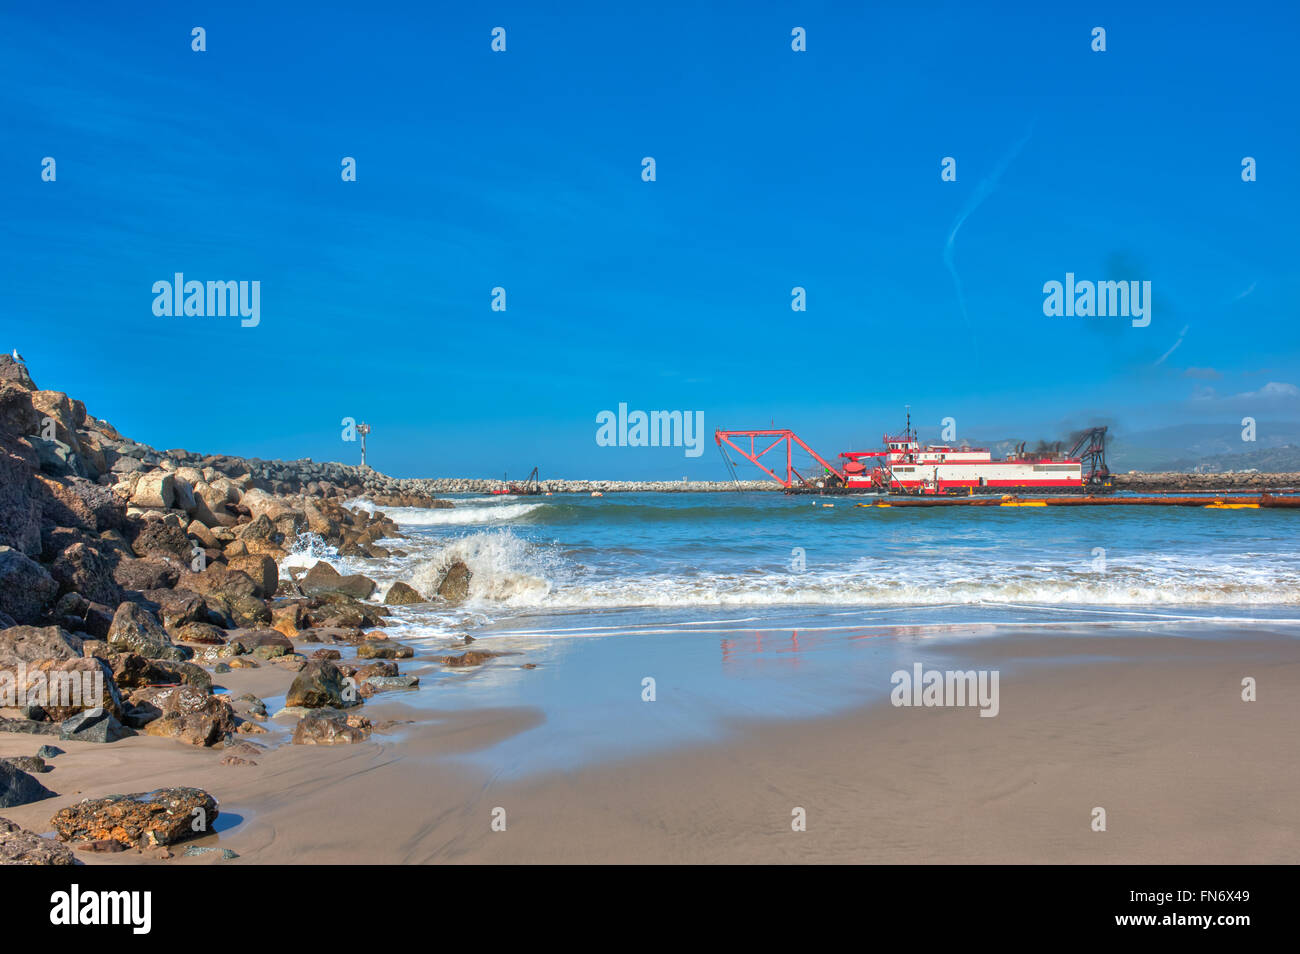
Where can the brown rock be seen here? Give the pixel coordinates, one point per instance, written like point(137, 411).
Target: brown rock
point(402, 594)
point(83, 569)
point(30, 643)
point(262, 570)
point(64, 687)
point(136, 630)
point(220, 580)
point(455, 583)
point(472, 657)
point(199, 531)
point(18, 846)
point(331, 727)
point(154, 491)
point(104, 845)
point(318, 685)
point(203, 633)
point(141, 820)
point(55, 405)
point(383, 649)
point(323, 578)
point(178, 607)
point(288, 619)
point(26, 587)
point(183, 713)
point(132, 671)
point(158, 536)
point(154, 573)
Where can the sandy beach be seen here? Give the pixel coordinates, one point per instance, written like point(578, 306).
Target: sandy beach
point(1157, 735)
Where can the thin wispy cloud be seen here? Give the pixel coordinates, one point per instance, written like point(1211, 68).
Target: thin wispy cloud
point(982, 192)
point(1181, 335)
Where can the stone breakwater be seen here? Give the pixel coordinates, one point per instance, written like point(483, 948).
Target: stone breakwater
point(156, 573)
point(1205, 483)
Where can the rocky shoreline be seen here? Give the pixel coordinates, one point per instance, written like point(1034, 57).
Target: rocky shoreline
point(130, 579)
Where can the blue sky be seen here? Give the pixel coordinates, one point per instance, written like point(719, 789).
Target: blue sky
point(523, 170)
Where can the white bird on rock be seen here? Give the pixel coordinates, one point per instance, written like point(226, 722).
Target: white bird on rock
point(17, 357)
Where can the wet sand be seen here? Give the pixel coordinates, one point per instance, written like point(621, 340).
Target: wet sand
point(1156, 734)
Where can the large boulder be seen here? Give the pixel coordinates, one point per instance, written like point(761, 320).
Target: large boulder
point(288, 618)
point(159, 536)
point(323, 578)
point(383, 649)
point(81, 568)
point(31, 643)
point(93, 725)
point(220, 580)
point(17, 416)
point(139, 820)
point(26, 587)
point(133, 671)
point(19, 788)
point(53, 407)
point(257, 638)
point(204, 633)
point(154, 491)
point(455, 583)
point(262, 537)
point(242, 611)
point(18, 846)
point(20, 506)
point(199, 531)
point(175, 608)
point(318, 684)
point(152, 573)
point(136, 630)
point(331, 727)
point(59, 459)
point(210, 506)
point(261, 569)
point(402, 594)
point(61, 688)
point(183, 713)
point(335, 609)
point(15, 373)
point(80, 503)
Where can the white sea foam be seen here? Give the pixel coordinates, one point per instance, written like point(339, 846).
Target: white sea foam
point(511, 572)
point(308, 550)
point(475, 511)
point(503, 568)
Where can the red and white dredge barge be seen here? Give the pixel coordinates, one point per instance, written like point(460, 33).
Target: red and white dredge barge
point(905, 466)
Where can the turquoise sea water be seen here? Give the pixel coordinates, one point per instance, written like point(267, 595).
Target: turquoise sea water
point(763, 605)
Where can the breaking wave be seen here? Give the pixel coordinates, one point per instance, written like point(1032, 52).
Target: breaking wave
point(465, 513)
point(503, 568)
point(514, 572)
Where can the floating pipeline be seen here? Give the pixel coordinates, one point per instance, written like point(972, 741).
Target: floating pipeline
point(1263, 501)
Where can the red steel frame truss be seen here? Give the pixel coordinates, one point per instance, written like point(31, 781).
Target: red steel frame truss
point(783, 436)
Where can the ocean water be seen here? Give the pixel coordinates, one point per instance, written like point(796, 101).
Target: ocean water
point(762, 605)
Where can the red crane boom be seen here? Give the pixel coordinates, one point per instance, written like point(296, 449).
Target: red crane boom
point(783, 436)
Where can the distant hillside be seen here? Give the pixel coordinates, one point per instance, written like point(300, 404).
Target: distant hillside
point(1266, 460)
